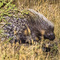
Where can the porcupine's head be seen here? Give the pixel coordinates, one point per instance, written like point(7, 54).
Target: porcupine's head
point(43, 24)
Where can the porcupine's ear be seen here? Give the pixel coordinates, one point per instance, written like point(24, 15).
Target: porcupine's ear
point(42, 32)
point(27, 31)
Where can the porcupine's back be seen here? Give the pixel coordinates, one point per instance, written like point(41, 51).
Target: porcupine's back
point(14, 29)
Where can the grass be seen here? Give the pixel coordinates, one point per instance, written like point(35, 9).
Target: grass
point(34, 52)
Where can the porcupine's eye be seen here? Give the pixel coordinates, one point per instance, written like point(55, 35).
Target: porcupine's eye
point(49, 33)
point(50, 36)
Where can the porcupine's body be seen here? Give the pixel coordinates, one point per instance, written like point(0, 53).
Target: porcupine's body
point(29, 28)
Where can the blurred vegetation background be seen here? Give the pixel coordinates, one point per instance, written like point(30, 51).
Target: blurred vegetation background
point(51, 10)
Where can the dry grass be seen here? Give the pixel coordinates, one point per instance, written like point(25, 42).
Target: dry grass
point(34, 51)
